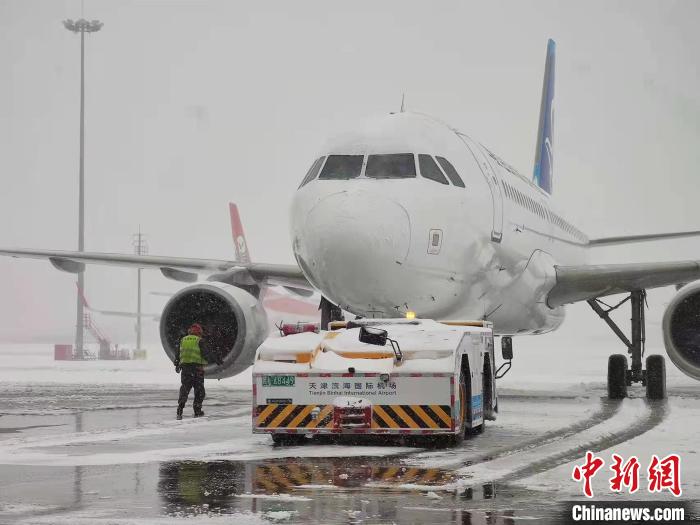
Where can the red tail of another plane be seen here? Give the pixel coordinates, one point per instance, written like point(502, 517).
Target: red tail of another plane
point(239, 242)
point(276, 300)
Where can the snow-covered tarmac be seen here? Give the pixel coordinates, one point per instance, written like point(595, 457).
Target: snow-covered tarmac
point(96, 442)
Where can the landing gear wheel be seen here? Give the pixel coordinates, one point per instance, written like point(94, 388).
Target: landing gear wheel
point(656, 377)
point(617, 376)
point(288, 439)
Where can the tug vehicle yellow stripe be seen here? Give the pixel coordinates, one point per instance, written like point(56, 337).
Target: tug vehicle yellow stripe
point(425, 417)
point(285, 412)
point(408, 422)
point(266, 412)
point(294, 423)
point(382, 414)
point(441, 414)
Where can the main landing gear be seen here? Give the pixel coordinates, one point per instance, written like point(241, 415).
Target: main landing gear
point(620, 376)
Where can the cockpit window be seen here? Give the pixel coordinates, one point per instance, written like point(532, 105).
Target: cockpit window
point(392, 166)
point(341, 167)
point(430, 170)
point(313, 171)
point(450, 171)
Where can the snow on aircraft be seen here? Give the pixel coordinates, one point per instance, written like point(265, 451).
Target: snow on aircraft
point(407, 214)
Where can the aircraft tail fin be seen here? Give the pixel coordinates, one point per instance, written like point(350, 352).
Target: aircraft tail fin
point(239, 242)
point(544, 154)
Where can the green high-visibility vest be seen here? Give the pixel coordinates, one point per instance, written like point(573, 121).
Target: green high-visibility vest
point(190, 353)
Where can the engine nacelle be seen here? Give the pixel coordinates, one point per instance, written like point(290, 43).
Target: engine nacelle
point(234, 322)
point(681, 327)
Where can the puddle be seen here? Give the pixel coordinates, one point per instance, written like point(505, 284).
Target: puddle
point(229, 478)
point(332, 489)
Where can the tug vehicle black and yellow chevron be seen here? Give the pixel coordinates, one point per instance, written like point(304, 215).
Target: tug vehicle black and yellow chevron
point(294, 416)
point(384, 417)
point(424, 417)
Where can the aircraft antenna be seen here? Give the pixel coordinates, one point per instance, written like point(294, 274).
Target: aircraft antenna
point(403, 102)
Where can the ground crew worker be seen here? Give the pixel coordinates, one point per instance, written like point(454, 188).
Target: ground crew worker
point(190, 364)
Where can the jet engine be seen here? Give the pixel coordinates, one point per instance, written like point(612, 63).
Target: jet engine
point(234, 323)
point(681, 327)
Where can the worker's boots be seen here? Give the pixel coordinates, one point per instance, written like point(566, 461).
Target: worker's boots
point(198, 412)
point(179, 413)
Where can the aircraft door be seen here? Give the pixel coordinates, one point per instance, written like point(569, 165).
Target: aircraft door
point(493, 181)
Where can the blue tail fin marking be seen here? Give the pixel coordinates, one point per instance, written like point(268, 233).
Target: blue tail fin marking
point(544, 154)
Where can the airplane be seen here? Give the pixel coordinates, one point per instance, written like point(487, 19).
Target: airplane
point(406, 214)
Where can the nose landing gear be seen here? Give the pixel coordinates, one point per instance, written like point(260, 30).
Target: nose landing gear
point(619, 375)
point(329, 313)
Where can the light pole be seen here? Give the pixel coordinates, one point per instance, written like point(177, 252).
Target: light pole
point(140, 248)
point(81, 26)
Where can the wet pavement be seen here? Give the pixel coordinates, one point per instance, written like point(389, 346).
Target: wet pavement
point(115, 454)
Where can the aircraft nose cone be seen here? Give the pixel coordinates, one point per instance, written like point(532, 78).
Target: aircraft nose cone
point(353, 246)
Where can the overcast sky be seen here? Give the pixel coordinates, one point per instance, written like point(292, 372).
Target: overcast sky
point(193, 104)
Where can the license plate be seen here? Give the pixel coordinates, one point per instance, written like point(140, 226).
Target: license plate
point(278, 381)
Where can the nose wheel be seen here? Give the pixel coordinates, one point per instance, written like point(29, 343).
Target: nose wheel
point(620, 375)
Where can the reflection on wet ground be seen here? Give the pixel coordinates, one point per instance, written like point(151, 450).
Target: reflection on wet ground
point(337, 490)
point(282, 477)
point(328, 490)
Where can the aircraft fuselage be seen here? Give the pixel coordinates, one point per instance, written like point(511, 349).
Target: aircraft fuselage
point(379, 247)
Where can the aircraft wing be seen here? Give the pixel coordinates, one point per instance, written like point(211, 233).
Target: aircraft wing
point(580, 283)
point(627, 239)
point(130, 315)
point(182, 269)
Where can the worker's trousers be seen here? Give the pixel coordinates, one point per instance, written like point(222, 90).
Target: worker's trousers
point(192, 376)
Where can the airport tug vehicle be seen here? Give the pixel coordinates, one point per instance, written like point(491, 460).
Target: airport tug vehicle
point(421, 379)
